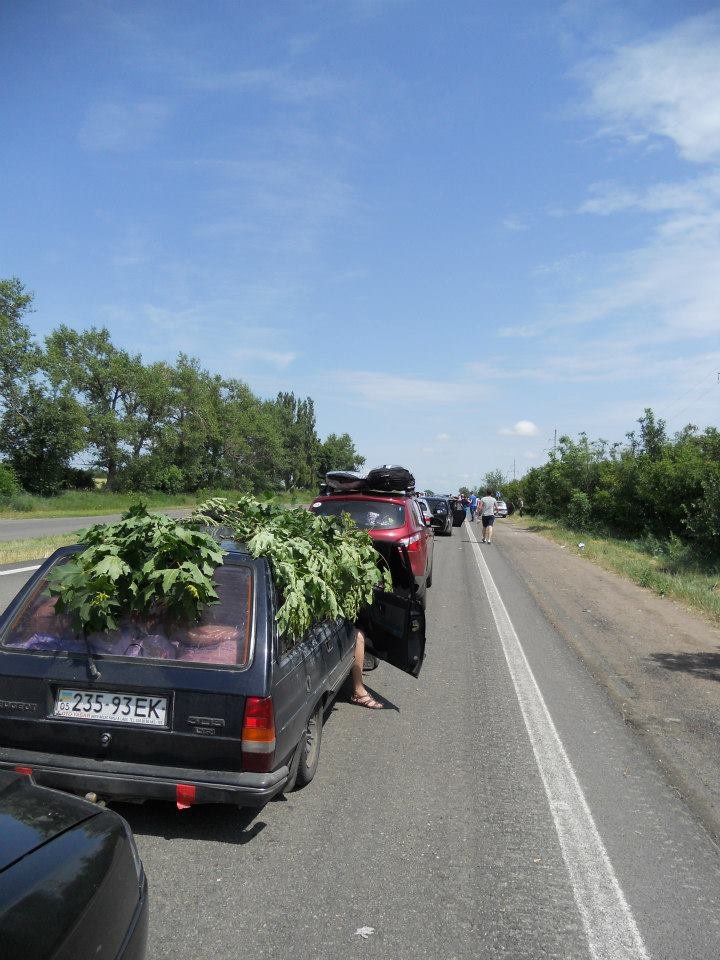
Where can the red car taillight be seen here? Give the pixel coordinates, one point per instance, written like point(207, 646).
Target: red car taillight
point(413, 543)
point(258, 735)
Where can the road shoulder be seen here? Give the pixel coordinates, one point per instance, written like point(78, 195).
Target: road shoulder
point(659, 661)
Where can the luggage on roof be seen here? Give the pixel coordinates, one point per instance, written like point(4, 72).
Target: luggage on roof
point(386, 479)
point(390, 477)
point(344, 481)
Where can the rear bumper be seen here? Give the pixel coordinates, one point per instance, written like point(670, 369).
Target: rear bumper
point(135, 781)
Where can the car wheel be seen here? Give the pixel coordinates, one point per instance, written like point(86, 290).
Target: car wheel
point(309, 748)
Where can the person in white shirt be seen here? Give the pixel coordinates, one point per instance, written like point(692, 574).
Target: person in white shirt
point(488, 506)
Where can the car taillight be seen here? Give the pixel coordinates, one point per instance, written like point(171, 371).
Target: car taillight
point(258, 734)
point(412, 543)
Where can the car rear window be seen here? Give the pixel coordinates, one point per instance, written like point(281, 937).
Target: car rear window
point(436, 503)
point(220, 638)
point(367, 514)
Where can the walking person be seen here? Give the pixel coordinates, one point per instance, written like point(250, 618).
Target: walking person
point(473, 506)
point(488, 508)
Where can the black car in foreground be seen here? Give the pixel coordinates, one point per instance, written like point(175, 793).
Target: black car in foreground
point(442, 517)
point(223, 711)
point(72, 886)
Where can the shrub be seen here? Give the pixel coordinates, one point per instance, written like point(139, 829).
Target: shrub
point(75, 479)
point(171, 480)
point(579, 510)
point(9, 486)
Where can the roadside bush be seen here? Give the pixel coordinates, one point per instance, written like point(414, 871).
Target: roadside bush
point(703, 518)
point(171, 480)
point(21, 502)
point(579, 510)
point(9, 486)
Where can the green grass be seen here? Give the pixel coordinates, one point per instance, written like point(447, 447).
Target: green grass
point(16, 551)
point(87, 503)
point(667, 568)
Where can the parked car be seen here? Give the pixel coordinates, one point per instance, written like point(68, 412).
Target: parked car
point(442, 518)
point(425, 511)
point(458, 511)
point(71, 881)
point(394, 521)
point(501, 509)
point(224, 711)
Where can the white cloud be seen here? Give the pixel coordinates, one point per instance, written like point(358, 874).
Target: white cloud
point(442, 437)
point(667, 86)
point(523, 428)
point(119, 127)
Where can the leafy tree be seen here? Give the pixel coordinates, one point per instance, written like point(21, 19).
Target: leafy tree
point(19, 354)
point(40, 434)
point(338, 453)
point(495, 479)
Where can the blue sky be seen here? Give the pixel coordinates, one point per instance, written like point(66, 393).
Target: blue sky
point(458, 226)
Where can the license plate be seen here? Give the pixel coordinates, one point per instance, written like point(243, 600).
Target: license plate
point(101, 705)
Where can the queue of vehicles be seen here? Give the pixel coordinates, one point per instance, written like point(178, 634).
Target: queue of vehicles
point(234, 717)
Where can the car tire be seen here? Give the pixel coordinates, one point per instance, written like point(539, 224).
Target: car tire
point(309, 748)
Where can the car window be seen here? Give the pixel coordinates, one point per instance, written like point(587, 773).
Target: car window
point(220, 638)
point(417, 514)
point(367, 514)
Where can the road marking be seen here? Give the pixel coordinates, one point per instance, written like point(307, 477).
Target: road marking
point(608, 920)
point(6, 573)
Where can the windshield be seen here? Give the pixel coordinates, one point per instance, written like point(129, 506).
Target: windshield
point(367, 514)
point(221, 637)
point(437, 504)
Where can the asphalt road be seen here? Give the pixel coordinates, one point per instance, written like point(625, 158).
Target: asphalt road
point(498, 808)
point(47, 526)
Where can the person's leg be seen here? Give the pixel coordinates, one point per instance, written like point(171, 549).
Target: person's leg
point(489, 531)
point(360, 695)
point(484, 526)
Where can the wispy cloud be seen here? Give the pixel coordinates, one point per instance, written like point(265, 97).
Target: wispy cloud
point(377, 389)
point(275, 358)
point(117, 127)
point(665, 87)
point(513, 224)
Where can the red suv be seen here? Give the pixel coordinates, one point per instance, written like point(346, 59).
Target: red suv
point(392, 520)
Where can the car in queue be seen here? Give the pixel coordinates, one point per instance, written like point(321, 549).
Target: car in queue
point(72, 886)
point(442, 517)
point(425, 511)
point(227, 710)
point(501, 509)
point(397, 527)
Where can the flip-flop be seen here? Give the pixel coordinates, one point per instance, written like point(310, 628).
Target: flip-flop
point(367, 701)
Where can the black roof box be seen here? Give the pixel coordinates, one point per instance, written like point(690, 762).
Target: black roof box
point(390, 478)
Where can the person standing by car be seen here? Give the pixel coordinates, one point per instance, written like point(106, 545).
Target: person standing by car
point(488, 506)
point(473, 506)
point(360, 695)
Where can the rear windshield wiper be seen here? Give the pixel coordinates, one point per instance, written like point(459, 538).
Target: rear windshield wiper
point(92, 669)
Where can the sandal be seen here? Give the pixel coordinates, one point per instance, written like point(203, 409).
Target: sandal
point(366, 701)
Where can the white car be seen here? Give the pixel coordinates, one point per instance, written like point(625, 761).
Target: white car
point(501, 508)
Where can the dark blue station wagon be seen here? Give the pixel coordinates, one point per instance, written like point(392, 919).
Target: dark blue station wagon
point(223, 711)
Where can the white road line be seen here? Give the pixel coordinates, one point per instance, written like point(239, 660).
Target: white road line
point(608, 920)
point(7, 573)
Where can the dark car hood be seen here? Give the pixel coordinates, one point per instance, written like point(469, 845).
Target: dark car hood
point(31, 816)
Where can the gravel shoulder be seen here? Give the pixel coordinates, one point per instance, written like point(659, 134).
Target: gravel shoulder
point(659, 661)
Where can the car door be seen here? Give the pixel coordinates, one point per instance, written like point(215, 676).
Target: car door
point(395, 622)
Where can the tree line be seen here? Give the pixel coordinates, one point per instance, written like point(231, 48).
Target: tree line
point(79, 398)
point(652, 484)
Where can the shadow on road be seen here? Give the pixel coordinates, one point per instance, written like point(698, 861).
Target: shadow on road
point(220, 823)
point(701, 664)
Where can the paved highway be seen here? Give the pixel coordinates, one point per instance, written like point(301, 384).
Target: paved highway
point(499, 808)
